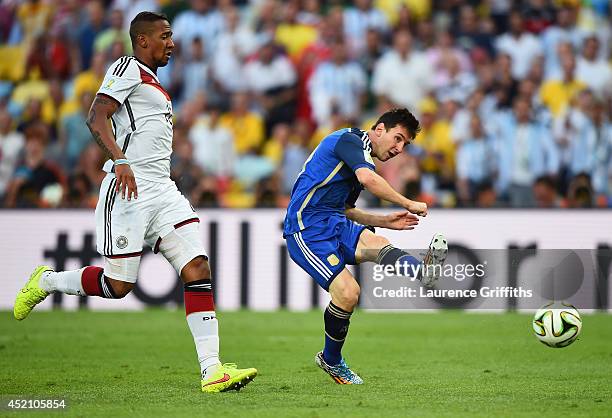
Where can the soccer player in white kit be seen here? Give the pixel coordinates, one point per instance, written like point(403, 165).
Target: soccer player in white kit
point(139, 204)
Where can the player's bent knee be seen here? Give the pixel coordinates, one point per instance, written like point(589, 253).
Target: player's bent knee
point(182, 248)
point(120, 288)
point(379, 242)
point(348, 297)
point(196, 269)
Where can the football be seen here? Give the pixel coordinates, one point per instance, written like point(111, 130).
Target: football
point(557, 324)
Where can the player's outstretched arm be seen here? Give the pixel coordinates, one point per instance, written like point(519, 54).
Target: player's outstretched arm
point(379, 187)
point(102, 108)
point(397, 220)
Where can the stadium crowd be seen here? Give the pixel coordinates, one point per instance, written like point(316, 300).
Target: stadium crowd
point(514, 97)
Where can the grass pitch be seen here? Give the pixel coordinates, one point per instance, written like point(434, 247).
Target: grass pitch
point(449, 364)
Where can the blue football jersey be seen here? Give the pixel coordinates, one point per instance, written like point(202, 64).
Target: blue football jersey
point(327, 182)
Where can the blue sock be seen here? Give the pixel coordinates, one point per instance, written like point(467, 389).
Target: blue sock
point(337, 323)
point(408, 265)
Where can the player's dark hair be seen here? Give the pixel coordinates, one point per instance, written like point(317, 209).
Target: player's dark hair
point(140, 24)
point(401, 117)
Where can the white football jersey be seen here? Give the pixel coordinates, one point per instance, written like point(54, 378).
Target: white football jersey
point(143, 122)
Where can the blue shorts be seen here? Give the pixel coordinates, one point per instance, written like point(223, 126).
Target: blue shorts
point(323, 250)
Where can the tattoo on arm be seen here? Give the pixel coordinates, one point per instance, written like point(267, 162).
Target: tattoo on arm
point(91, 118)
point(103, 100)
point(96, 135)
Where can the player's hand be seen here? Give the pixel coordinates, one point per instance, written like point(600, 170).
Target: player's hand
point(401, 221)
point(126, 181)
point(418, 208)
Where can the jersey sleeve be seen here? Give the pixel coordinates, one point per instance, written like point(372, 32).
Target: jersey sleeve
point(121, 79)
point(349, 149)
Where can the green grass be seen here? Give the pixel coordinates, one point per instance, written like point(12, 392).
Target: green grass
point(448, 364)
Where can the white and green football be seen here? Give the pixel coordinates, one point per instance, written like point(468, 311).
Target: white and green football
point(557, 324)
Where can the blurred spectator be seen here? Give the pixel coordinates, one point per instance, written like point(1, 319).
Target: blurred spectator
point(556, 94)
point(202, 21)
point(521, 46)
point(130, 8)
point(11, 144)
point(38, 65)
point(457, 84)
point(525, 151)
point(486, 196)
point(374, 49)
point(602, 173)
point(213, 145)
point(316, 53)
point(563, 31)
point(271, 77)
point(80, 192)
point(538, 15)
point(235, 43)
point(337, 85)
point(439, 54)
point(292, 34)
point(34, 18)
point(310, 14)
point(545, 193)
point(74, 133)
point(295, 156)
point(89, 81)
point(402, 75)
point(471, 36)
point(183, 168)
point(90, 164)
point(90, 28)
point(277, 144)
point(476, 162)
point(204, 195)
point(115, 33)
point(246, 127)
point(35, 174)
point(357, 19)
point(593, 71)
point(267, 193)
point(580, 192)
point(196, 72)
point(506, 85)
point(438, 150)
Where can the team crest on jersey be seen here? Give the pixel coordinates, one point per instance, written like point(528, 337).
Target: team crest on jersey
point(333, 260)
point(121, 242)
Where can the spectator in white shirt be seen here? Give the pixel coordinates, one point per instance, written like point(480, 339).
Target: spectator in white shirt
point(213, 145)
point(272, 78)
point(564, 31)
point(456, 85)
point(200, 21)
point(235, 43)
point(358, 19)
point(196, 72)
point(11, 144)
point(337, 85)
point(402, 76)
point(521, 46)
point(592, 71)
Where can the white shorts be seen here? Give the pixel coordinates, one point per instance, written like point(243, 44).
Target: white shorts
point(123, 227)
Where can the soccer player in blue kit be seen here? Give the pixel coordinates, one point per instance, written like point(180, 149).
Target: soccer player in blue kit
point(325, 231)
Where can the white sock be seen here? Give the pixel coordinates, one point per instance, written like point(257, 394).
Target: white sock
point(205, 330)
point(68, 282)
